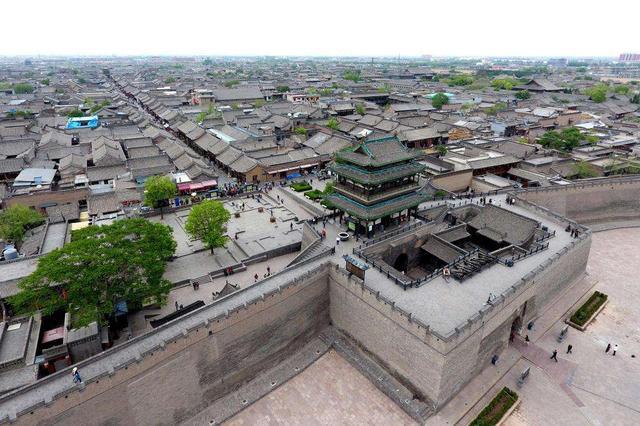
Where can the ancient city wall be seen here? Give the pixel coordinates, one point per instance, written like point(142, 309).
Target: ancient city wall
point(599, 200)
point(382, 330)
point(160, 380)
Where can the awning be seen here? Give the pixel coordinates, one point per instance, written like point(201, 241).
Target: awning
point(189, 187)
point(293, 168)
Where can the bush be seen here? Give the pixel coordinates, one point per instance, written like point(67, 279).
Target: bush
point(582, 315)
point(523, 94)
point(314, 194)
point(22, 88)
point(497, 408)
point(301, 186)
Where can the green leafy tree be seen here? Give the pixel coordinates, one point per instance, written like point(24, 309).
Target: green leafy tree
point(386, 88)
point(360, 109)
point(207, 222)
point(597, 93)
point(46, 82)
point(441, 150)
point(283, 89)
point(565, 140)
point(621, 89)
point(352, 75)
point(16, 219)
point(439, 99)
point(494, 110)
point(169, 80)
point(231, 83)
point(258, 103)
point(157, 191)
point(207, 61)
point(460, 80)
point(583, 170)
point(75, 113)
point(22, 88)
point(635, 99)
point(300, 131)
point(523, 95)
point(333, 124)
point(504, 83)
point(101, 266)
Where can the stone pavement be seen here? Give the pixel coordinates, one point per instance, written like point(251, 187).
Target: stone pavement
point(329, 392)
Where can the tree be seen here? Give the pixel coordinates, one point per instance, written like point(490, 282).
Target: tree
point(352, 75)
point(565, 140)
point(100, 267)
point(300, 131)
point(207, 61)
point(231, 83)
point(635, 99)
point(22, 88)
point(282, 89)
point(333, 123)
point(360, 109)
point(597, 93)
point(441, 150)
point(46, 82)
point(583, 170)
point(439, 99)
point(207, 223)
point(495, 109)
point(75, 113)
point(169, 80)
point(15, 220)
point(157, 191)
point(504, 83)
point(523, 95)
point(460, 80)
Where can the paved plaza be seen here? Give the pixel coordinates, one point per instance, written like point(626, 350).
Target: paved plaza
point(250, 235)
point(329, 392)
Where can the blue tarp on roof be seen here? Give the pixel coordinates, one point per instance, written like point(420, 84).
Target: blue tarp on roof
point(83, 122)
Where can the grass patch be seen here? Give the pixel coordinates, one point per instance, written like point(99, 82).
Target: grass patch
point(301, 186)
point(493, 412)
point(582, 315)
point(314, 194)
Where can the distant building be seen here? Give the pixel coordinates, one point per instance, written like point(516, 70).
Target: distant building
point(629, 57)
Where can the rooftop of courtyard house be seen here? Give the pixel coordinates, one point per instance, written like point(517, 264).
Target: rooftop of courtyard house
point(444, 305)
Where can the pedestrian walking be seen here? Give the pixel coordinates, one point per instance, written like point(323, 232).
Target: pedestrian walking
point(268, 270)
point(337, 241)
point(615, 349)
point(569, 348)
point(554, 355)
point(255, 278)
point(291, 226)
point(176, 305)
point(76, 375)
point(606, 351)
point(526, 339)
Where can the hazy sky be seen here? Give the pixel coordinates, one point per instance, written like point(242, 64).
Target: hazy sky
point(321, 28)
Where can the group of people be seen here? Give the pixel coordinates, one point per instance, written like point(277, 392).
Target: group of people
point(554, 354)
